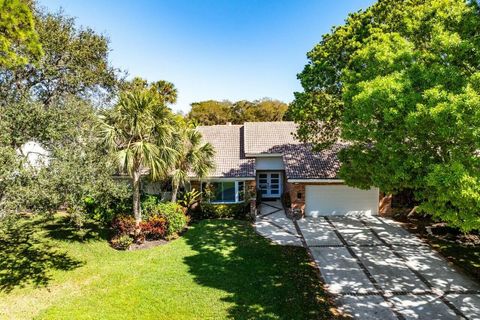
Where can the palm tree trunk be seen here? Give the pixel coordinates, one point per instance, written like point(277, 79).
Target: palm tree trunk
point(174, 192)
point(136, 200)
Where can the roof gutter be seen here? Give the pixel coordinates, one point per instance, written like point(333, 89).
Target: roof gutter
point(263, 155)
point(316, 180)
point(223, 179)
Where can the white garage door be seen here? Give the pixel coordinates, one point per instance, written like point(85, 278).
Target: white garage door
point(328, 200)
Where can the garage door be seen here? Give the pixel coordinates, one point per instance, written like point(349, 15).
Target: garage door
point(327, 200)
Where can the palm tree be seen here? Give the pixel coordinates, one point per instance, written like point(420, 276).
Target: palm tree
point(139, 130)
point(194, 156)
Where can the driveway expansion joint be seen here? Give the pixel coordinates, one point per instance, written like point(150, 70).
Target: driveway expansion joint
point(442, 297)
point(365, 270)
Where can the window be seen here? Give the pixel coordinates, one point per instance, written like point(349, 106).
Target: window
point(224, 191)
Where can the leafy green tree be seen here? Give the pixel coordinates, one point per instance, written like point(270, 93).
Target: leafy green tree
point(194, 156)
point(19, 43)
point(50, 100)
point(401, 83)
point(75, 62)
point(139, 130)
point(213, 112)
point(210, 112)
point(75, 168)
point(260, 110)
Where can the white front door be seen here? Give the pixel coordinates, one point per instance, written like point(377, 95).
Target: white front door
point(270, 184)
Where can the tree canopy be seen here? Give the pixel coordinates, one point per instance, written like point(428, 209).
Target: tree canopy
point(400, 82)
point(75, 62)
point(47, 100)
point(213, 112)
point(19, 41)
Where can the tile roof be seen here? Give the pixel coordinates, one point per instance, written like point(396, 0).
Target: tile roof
point(303, 163)
point(232, 142)
point(228, 141)
point(269, 137)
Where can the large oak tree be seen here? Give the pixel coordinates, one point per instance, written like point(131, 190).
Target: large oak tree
point(400, 82)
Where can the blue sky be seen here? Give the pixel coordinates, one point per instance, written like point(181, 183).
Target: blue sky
point(213, 49)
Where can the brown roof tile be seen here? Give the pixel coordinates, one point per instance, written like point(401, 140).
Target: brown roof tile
point(269, 137)
point(230, 156)
point(232, 142)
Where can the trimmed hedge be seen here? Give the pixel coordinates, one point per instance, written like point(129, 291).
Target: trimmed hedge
point(207, 210)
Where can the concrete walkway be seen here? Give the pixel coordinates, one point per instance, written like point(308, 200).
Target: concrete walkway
point(374, 268)
point(272, 223)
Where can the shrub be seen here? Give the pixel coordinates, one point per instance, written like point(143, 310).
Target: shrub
point(154, 228)
point(221, 211)
point(175, 216)
point(189, 199)
point(123, 225)
point(104, 207)
point(122, 242)
point(148, 203)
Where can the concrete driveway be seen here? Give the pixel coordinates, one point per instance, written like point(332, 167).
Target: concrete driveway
point(374, 268)
point(378, 270)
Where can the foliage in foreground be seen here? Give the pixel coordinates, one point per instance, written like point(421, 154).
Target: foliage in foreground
point(400, 82)
point(19, 41)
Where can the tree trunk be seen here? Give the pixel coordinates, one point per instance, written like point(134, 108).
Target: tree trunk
point(174, 192)
point(136, 200)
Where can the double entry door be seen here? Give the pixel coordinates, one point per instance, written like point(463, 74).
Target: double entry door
point(270, 184)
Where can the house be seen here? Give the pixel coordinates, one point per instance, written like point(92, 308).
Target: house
point(265, 156)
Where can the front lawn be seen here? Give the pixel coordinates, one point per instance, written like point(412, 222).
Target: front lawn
point(216, 270)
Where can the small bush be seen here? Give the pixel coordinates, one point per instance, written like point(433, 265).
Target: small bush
point(122, 242)
point(221, 211)
point(189, 199)
point(104, 206)
point(154, 228)
point(124, 225)
point(148, 203)
point(175, 216)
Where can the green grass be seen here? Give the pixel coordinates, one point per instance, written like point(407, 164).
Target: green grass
point(216, 270)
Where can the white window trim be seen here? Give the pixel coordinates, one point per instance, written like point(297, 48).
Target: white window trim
point(237, 193)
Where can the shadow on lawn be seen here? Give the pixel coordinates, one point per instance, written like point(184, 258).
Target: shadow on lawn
point(264, 281)
point(27, 258)
point(62, 229)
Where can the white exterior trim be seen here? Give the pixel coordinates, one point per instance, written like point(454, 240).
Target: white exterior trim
point(316, 180)
point(237, 191)
point(263, 155)
point(212, 179)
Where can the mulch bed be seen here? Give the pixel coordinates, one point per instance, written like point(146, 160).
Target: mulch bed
point(147, 244)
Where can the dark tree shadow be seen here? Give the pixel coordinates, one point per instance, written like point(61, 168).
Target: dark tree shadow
point(62, 229)
point(265, 281)
point(28, 258)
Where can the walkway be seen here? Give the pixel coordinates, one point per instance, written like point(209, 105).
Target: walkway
point(376, 269)
point(273, 224)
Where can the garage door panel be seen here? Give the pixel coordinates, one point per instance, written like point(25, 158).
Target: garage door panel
point(328, 200)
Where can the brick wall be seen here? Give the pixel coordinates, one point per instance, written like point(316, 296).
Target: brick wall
point(297, 195)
